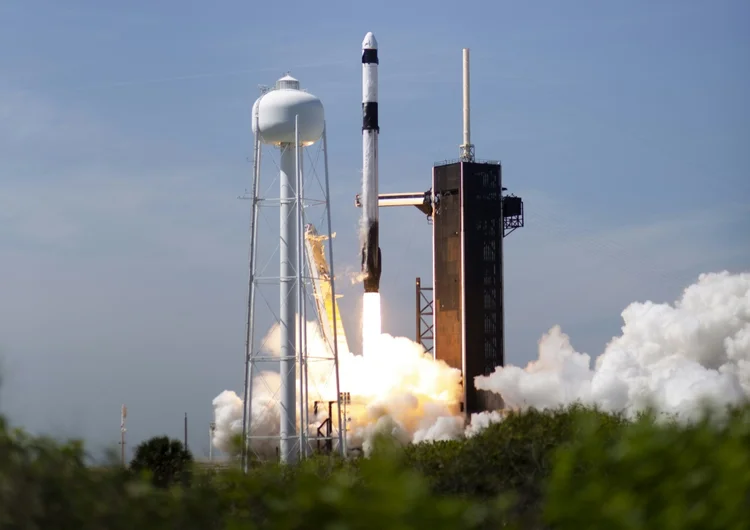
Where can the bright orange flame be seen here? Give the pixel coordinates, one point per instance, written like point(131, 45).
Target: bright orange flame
point(371, 325)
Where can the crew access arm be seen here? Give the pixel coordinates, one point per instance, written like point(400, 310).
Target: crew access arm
point(324, 302)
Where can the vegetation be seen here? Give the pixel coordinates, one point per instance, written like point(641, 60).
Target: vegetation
point(571, 468)
point(511, 459)
point(654, 476)
point(165, 461)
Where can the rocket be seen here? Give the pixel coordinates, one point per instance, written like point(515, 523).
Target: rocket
point(371, 264)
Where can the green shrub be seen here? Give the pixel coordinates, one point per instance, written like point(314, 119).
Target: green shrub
point(577, 468)
point(47, 485)
point(509, 459)
point(370, 494)
point(654, 475)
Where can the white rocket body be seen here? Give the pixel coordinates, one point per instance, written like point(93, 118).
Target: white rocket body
point(371, 265)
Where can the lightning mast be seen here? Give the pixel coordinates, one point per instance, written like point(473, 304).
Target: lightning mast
point(123, 430)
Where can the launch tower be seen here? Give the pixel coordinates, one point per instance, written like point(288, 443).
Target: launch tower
point(471, 218)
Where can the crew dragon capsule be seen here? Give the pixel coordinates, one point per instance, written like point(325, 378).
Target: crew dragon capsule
point(371, 264)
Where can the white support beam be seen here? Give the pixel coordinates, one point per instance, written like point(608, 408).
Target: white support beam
point(386, 200)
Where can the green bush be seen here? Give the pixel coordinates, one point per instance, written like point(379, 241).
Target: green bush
point(46, 485)
point(510, 459)
point(570, 468)
point(370, 494)
point(652, 475)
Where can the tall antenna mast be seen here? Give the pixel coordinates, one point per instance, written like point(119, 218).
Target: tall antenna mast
point(211, 432)
point(467, 148)
point(123, 415)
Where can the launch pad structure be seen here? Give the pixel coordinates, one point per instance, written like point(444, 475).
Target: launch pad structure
point(461, 318)
point(463, 315)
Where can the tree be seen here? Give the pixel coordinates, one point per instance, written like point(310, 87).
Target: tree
point(166, 460)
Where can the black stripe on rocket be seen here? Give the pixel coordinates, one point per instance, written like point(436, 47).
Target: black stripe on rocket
point(370, 116)
point(370, 56)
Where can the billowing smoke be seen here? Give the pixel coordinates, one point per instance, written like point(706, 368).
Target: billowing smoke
point(676, 358)
point(396, 388)
point(673, 357)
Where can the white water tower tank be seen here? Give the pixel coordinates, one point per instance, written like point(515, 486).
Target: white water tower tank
point(274, 113)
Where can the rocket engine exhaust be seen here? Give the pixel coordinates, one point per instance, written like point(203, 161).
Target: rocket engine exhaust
point(371, 263)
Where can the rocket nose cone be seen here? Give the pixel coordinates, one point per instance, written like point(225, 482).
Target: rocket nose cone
point(370, 42)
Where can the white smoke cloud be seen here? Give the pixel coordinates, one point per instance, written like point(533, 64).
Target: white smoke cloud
point(675, 358)
point(480, 421)
point(228, 419)
point(397, 389)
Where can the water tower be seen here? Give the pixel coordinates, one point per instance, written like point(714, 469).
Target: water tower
point(290, 121)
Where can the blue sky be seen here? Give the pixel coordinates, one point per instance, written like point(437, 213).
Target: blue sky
point(125, 134)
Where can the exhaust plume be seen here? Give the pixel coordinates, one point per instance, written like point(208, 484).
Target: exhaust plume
point(675, 358)
point(395, 388)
